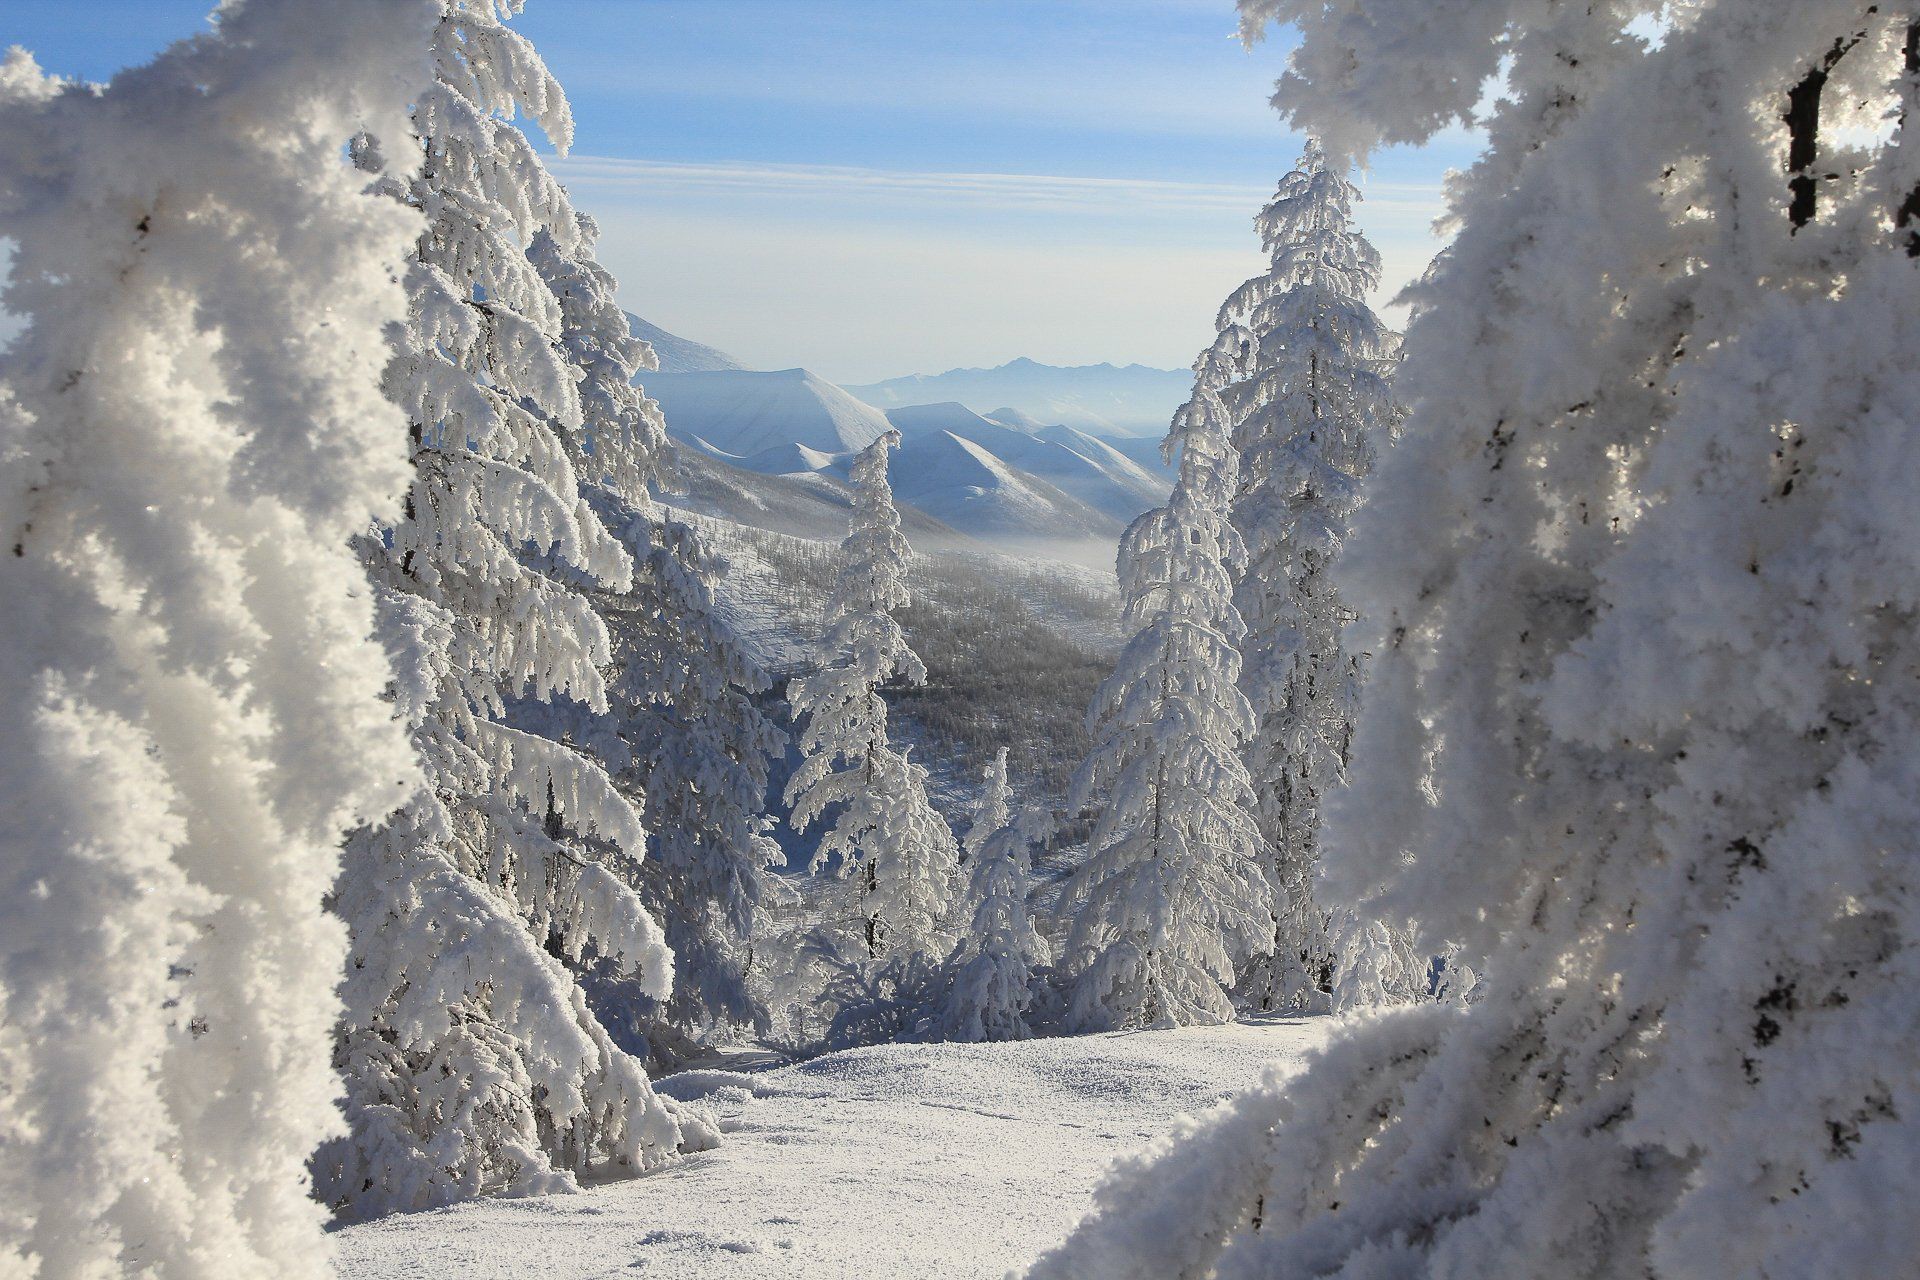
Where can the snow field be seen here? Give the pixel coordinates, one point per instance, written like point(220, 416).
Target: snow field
point(914, 1161)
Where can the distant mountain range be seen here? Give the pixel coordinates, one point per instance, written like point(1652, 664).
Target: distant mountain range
point(1101, 399)
point(1082, 466)
point(773, 450)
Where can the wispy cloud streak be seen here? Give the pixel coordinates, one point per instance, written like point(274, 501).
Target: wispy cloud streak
point(1005, 191)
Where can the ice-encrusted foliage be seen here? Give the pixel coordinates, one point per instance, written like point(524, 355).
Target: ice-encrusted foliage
point(892, 851)
point(682, 733)
point(1307, 419)
point(192, 431)
point(988, 984)
point(996, 805)
point(690, 739)
point(1174, 892)
point(1642, 723)
point(473, 1064)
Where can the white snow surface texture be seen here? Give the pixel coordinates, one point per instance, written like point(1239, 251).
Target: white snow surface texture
point(909, 1161)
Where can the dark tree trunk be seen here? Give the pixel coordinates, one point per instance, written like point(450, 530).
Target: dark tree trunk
point(1803, 132)
point(1908, 214)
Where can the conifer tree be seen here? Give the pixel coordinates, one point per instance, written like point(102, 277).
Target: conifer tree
point(1173, 893)
point(989, 977)
point(1641, 727)
point(473, 1063)
point(693, 743)
point(895, 854)
point(1306, 422)
point(192, 431)
point(996, 805)
point(682, 735)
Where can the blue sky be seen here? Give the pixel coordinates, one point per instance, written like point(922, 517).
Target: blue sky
point(880, 187)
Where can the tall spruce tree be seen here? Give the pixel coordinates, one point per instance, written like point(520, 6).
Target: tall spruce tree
point(682, 735)
point(692, 742)
point(473, 1064)
point(1174, 892)
point(1307, 420)
point(192, 431)
point(894, 854)
point(1643, 722)
point(996, 804)
point(987, 987)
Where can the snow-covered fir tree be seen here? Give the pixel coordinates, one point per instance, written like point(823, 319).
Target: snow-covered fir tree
point(472, 1062)
point(988, 985)
point(1643, 720)
point(1174, 892)
point(1306, 421)
point(682, 735)
point(193, 430)
point(893, 853)
point(695, 745)
point(996, 805)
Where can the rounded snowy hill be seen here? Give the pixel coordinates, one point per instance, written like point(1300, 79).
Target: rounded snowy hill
point(677, 354)
point(961, 483)
point(743, 414)
point(1078, 464)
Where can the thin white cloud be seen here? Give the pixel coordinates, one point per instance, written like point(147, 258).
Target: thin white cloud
point(1123, 196)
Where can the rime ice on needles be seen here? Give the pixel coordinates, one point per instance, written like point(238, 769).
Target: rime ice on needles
point(1643, 726)
point(1306, 421)
point(193, 431)
point(1173, 894)
point(988, 986)
point(682, 732)
point(473, 1064)
point(894, 852)
point(996, 805)
point(690, 739)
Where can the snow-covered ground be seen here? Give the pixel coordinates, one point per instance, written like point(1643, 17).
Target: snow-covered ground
point(898, 1161)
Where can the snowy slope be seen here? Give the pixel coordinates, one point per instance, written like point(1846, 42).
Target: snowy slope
point(1008, 416)
point(963, 484)
point(1144, 452)
point(1105, 399)
point(908, 1161)
point(741, 414)
point(809, 504)
point(678, 354)
point(1076, 463)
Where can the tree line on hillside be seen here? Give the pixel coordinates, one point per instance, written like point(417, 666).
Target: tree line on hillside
point(1541, 680)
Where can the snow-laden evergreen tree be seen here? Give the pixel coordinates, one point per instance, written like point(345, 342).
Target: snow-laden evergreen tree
point(894, 854)
point(473, 1063)
point(1174, 892)
point(996, 805)
point(1643, 722)
point(683, 735)
point(1306, 422)
point(192, 429)
point(989, 978)
point(697, 748)
point(1372, 963)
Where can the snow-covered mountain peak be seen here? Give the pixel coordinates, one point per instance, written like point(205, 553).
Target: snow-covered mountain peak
point(743, 414)
point(677, 354)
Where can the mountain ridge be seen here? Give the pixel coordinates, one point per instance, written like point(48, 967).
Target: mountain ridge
point(1101, 399)
point(677, 354)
